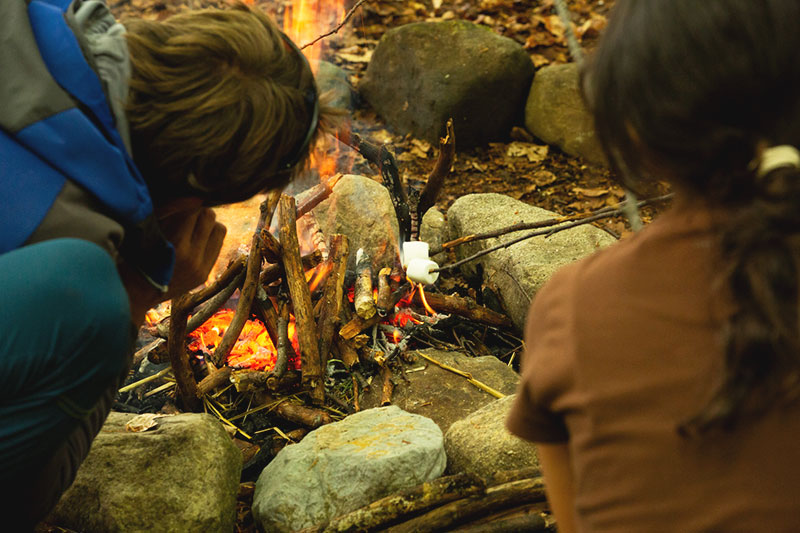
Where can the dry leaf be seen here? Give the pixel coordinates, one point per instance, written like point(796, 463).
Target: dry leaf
point(591, 193)
point(543, 177)
point(477, 166)
point(539, 60)
point(527, 190)
point(533, 152)
point(424, 146)
point(436, 4)
point(142, 422)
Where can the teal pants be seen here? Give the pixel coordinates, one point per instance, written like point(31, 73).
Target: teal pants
point(65, 340)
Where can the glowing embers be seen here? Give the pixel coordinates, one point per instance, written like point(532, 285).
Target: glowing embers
point(254, 349)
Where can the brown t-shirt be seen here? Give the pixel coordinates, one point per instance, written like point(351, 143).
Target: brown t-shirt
point(622, 347)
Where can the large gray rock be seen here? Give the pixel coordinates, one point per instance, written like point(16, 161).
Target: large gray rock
point(423, 73)
point(444, 396)
point(481, 445)
point(521, 269)
point(362, 209)
point(345, 465)
point(183, 475)
point(555, 112)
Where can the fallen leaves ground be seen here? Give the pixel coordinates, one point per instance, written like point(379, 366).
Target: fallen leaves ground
point(520, 166)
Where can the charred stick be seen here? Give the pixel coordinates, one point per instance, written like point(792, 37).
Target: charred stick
point(178, 356)
point(364, 302)
point(435, 181)
point(249, 288)
point(273, 273)
point(495, 499)
point(463, 307)
point(214, 304)
point(408, 502)
point(388, 385)
point(214, 380)
point(301, 299)
point(570, 221)
point(316, 195)
point(332, 296)
point(383, 158)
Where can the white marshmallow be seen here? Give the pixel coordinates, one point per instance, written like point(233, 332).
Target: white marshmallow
point(414, 250)
point(419, 271)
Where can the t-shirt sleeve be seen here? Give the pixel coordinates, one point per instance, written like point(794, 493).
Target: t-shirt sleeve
point(537, 413)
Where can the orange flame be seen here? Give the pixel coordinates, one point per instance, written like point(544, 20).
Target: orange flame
point(253, 349)
point(428, 308)
point(318, 275)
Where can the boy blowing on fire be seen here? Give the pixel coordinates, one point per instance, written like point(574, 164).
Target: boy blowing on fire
point(115, 142)
point(661, 375)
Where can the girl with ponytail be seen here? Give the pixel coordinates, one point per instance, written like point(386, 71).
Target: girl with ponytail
point(661, 375)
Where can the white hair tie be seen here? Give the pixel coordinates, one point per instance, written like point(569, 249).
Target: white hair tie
point(774, 157)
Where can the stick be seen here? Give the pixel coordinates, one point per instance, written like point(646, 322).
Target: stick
point(388, 385)
point(317, 194)
point(178, 357)
point(299, 414)
point(463, 307)
point(433, 185)
point(301, 299)
point(381, 157)
point(282, 348)
point(347, 352)
point(214, 304)
point(480, 385)
point(214, 380)
point(459, 511)
point(337, 28)
point(364, 302)
point(528, 518)
point(591, 217)
point(249, 287)
point(332, 295)
point(271, 247)
point(389, 509)
point(274, 272)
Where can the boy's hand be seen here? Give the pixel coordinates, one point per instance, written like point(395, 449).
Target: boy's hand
point(197, 238)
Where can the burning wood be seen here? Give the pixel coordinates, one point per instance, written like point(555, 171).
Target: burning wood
point(385, 303)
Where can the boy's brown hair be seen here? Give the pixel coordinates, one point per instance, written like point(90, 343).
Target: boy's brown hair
point(218, 99)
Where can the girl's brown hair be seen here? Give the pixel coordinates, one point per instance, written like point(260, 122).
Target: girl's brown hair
point(689, 91)
point(217, 99)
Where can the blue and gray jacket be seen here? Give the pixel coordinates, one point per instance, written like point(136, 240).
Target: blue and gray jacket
point(65, 163)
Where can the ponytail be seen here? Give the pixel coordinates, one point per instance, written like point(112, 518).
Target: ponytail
point(759, 245)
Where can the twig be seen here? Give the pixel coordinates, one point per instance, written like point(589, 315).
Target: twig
point(547, 231)
point(572, 43)
point(433, 185)
point(282, 347)
point(337, 28)
point(467, 375)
